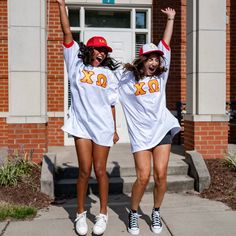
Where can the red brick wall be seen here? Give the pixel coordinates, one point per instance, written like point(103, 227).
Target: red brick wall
point(30, 136)
point(3, 133)
point(208, 138)
point(55, 76)
point(3, 57)
point(228, 51)
point(232, 48)
point(176, 86)
point(55, 137)
point(3, 71)
point(38, 136)
point(231, 64)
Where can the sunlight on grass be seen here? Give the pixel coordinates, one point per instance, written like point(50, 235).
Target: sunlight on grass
point(16, 211)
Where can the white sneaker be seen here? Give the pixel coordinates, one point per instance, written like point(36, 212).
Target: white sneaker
point(101, 224)
point(81, 226)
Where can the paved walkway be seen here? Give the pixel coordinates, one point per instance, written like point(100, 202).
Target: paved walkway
point(182, 215)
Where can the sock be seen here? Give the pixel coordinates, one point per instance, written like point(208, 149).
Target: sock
point(133, 211)
point(156, 208)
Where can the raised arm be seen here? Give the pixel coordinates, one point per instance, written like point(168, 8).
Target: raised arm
point(170, 13)
point(65, 25)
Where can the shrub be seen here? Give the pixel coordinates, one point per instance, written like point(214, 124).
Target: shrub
point(17, 164)
point(231, 160)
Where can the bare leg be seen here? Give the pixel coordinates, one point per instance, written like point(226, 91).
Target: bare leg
point(84, 155)
point(100, 155)
point(143, 167)
point(160, 164)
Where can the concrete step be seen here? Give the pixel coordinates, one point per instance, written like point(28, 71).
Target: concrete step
point(120, 162)
point(120, 170)
point(176, 167)
point(175, 183)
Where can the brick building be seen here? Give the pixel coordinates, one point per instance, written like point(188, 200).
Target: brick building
point(34, 88)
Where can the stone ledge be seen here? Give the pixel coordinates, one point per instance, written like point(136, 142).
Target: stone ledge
point(198, 170)
point(48, 174)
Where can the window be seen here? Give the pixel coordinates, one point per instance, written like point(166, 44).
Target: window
point(107, 19)
point(76, 36)
point(74, 17)
point(140, 40)
point(141, 20)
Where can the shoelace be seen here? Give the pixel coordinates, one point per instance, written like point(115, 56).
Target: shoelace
point(156, 218)
point(100, 220)
point(134, 220)
point(80, 216)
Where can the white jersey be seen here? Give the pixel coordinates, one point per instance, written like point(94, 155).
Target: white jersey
point(93, 91)
point(144, 105)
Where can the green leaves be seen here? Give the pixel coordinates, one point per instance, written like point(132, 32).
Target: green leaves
point(231, 160)
point(16, 165)
point(10, 173)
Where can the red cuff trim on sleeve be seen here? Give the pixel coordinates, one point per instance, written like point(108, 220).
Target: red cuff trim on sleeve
point(165, 44)
point(68, 45)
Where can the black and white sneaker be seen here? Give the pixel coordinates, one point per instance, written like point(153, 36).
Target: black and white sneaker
point(133, 227)
point(156, 222)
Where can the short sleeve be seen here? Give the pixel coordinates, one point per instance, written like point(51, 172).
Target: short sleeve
point(71, 51)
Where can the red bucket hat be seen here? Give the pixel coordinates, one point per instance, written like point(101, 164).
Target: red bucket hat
point(149, 48)
point(98, 41)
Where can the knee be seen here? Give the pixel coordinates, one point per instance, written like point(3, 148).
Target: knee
point(143, 179)
point(100, 172)
point(84, 173)
point(160, 178)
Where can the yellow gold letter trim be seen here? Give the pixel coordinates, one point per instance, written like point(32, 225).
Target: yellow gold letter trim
point(153, 86)
point(87, 77)
point(101, 80)
point(139, 87)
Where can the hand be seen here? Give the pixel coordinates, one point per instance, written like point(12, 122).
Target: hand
point(61, 2)
point(115, 137)
point(170, 12)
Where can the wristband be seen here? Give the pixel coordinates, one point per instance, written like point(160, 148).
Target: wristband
point(170, 18)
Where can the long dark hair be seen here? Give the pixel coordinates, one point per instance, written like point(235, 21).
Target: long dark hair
point(86, 55)
point(137, 67)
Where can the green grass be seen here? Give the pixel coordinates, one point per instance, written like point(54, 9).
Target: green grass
point(16, 211)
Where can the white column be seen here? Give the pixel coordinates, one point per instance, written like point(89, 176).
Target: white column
point(27, 61)
point(206, 60)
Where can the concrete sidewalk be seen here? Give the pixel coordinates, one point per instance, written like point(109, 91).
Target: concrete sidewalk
point(182, 215)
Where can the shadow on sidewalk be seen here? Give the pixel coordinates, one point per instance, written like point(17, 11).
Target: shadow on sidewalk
point(118, 201)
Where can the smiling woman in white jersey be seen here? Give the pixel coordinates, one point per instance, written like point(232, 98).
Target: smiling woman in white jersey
point(91, 118)
point(151, 126)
